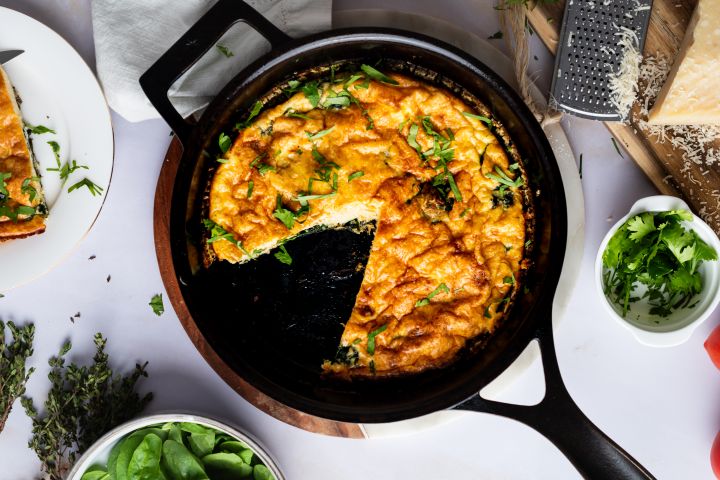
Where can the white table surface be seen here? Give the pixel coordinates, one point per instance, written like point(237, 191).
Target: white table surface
point(660, 405)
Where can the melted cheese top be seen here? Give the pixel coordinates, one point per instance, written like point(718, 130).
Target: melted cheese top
point(441, 267)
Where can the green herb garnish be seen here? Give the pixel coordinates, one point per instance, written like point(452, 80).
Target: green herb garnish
point(320, 134)
point(377, 75)
point(442, 288)
point(355, 175)
point(3, 185)
point(304, 198)
point(504, 179)
point(56, 152)
point(287, 217)
point(311, 92)
point(86, 182)
point(254, 111)
point(371, 339)
point(225, 50)
point(13, 370)
point(478, 117)
point(283, 256)
point(38, 129)
point(654, 249)
point(67, 169)
point(251, 184)
point(224, 142)
point(82, 404)
point(156, 303)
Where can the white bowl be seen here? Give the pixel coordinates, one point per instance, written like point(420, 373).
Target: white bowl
point(100, 450)
point(675, 329)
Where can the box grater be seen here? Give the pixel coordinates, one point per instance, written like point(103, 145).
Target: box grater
point(588, 53)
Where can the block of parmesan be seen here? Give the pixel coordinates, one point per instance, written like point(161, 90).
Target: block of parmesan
point(691, 94)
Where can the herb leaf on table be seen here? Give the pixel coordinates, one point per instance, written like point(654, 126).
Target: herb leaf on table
point(83, 403)
point(13, 372)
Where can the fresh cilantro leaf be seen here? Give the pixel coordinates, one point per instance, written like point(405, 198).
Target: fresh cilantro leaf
point(311, 92)
point(641, 225)
point(377, 75)
point(156, 303)
point(224, 142)
point(29, 189)
point(283, 256)
point(656, 250)
point(286, 216)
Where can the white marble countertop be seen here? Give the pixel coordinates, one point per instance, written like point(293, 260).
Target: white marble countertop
point(660, 405)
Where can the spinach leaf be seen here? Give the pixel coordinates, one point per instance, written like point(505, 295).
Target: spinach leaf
point(202, 443)
point(145, 461)
point(232, 446)
point(247, 456)
point(127, 447)
point(95, 472)
point(193, 428)
point(180, 463)
point(261, 472)
point(226, 466)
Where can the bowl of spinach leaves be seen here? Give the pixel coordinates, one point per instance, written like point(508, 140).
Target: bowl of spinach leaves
point(176, 446)
point(657, 271)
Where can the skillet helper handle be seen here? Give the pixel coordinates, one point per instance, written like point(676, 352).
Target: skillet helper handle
point(201, 37)
point(561, 421)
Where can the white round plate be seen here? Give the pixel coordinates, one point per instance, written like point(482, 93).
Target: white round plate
point(58, 90)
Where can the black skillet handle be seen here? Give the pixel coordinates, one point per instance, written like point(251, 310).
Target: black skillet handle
point(185, 52)
point(561, 421)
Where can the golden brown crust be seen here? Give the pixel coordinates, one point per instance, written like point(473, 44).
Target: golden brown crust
point(474, 250)
point(16, 160)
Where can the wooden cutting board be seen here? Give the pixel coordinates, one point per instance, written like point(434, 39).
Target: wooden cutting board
point(698, 185)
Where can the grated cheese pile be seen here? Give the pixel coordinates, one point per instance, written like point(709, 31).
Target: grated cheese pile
point(641, 79)
point(624, 82)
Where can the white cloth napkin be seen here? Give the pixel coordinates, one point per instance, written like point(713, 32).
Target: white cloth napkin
point(131, 34)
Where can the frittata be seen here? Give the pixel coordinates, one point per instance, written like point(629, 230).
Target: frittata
point(20, 191)
point(446, 197)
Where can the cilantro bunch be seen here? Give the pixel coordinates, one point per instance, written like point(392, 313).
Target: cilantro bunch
point(655, 250)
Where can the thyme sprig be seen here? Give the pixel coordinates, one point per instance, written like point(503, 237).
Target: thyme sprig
point(13, 371)
point(83, 403)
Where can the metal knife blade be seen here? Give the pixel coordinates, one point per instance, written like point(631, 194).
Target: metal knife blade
point(8, 55)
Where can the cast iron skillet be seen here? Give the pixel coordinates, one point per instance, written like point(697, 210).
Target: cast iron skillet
point(274, 324)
